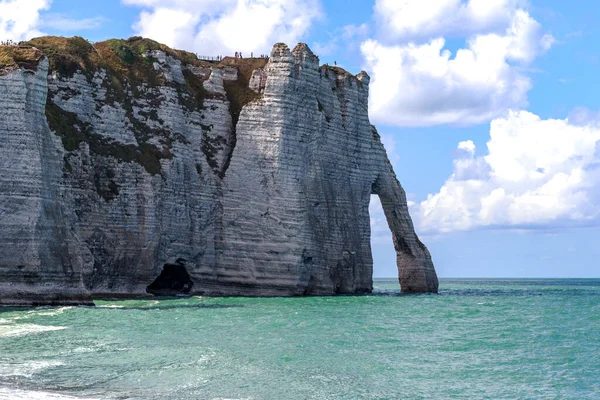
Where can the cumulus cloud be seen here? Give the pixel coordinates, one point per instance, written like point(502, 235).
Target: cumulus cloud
point(213, 27)
point(416, 81)
point(422, 19)
point(536, 173)
point(20, 19)
point(467, 146)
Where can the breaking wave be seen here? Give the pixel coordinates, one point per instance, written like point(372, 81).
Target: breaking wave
point(26, 329)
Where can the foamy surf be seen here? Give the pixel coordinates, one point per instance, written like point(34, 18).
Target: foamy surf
point(26, 329)
point(17, 394)
point(236, 398)
point(27, 369)
point(49, 311)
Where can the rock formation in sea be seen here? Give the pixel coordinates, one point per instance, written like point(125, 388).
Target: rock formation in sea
point(128, 166)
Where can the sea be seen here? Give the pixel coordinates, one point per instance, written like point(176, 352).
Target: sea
point(476, 339)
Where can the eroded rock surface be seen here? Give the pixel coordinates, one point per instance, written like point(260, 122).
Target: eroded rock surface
point(124, 157)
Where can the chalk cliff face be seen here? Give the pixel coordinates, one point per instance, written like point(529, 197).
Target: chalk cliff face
point(128, 166)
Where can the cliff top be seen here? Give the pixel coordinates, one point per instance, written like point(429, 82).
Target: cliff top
point(127, 56)
point(124, 57)
point(18, 56)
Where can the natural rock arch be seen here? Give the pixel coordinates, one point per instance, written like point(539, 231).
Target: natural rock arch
point(416, 273)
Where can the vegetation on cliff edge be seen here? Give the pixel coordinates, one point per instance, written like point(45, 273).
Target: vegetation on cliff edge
point(73, 132)
point(239, 93)
point(126, 58)
point(19, 57)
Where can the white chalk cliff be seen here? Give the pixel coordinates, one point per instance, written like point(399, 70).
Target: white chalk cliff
point(252, 177)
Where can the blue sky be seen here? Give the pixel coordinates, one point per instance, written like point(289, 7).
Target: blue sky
point(489, 109)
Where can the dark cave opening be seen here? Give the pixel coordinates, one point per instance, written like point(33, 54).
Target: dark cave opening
point(173, 280)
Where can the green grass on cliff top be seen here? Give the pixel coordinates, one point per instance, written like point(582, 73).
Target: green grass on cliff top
point(69, 54)
point(120, 56)
point(13, 56)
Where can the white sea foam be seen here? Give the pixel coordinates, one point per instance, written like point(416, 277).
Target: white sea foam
point(110, 306)
point(26, 329)
point(49, 311)
point(16, 394)
point(100, 347)
point(27, 369)
point(240, 398)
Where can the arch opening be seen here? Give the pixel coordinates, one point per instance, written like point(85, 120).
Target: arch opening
point(382, 245)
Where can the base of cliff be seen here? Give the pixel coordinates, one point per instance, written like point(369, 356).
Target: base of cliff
point(23, 296)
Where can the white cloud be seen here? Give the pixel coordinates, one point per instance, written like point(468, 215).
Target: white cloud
point(416, 83)
point(168, 26)
point(213, 27)
point(537, 173)
point(422, 19)
point(20, 19)
point(468, 146)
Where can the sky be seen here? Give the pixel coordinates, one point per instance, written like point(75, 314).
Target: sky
point(489, 109)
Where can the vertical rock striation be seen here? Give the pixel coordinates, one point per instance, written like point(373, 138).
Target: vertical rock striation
point(41, 259)
point(252, 178)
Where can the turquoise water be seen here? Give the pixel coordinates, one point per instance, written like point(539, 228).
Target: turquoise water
point(476, 339)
